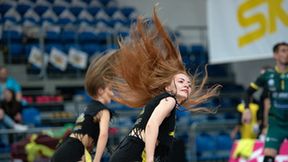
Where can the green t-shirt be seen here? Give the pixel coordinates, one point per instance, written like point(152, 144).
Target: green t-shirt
point(277, 85)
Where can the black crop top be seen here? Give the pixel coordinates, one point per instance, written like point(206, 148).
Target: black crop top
point(167, 127)
point(85, 124)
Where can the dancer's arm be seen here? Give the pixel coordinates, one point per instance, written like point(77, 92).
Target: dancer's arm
point(152, 128)
point(103, 135)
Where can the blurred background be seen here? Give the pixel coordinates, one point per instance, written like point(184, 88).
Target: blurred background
point(46, 46)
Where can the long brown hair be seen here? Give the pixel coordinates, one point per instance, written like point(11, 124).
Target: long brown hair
point(147, 62)
point(99, 73)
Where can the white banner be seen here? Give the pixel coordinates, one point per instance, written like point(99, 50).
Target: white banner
point(36, 58)
point(77, 58)
point(241, 30)
point(58, 58)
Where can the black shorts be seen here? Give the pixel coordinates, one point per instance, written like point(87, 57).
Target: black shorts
point(70, 150)
point(130, 150)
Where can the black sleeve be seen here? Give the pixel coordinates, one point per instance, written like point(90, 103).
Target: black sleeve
point(249, 96)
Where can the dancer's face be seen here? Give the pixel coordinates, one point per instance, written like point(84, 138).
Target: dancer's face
point(181, 86)
point(106, 94)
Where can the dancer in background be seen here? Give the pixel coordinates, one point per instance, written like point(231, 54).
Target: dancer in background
point(150, 72)
point(91, 128)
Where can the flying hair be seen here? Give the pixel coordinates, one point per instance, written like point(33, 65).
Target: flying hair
point(147, 62)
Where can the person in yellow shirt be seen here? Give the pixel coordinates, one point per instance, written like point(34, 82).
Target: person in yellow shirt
point(248, 130)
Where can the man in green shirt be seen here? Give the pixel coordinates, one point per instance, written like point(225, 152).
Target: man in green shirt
point(275, 81)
